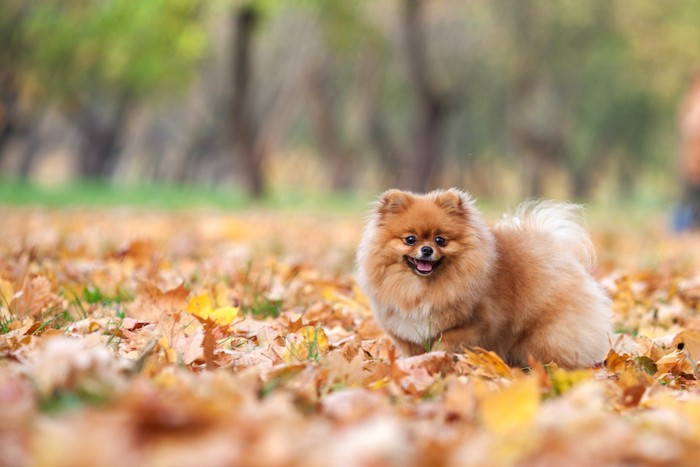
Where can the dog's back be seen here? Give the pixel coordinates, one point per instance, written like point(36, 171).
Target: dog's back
point(556, 309)
point(562, 222)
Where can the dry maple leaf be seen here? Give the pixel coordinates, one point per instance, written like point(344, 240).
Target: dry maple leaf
point(200, 307)
point(309, 343)
point(216, 323)
point(483, 363)
point(511, 409)
point(33, 297)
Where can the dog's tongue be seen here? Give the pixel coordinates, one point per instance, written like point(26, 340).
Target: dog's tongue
point(424, 266)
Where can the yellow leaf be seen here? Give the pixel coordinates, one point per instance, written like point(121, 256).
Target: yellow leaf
point(199, 306)
point(511, 409)
point(563, 380)
point(380, 383)
point(307, 344)
point(223, 316)
point(170, 353)
point(6, 292)
point(486, 363)
point(328, 292)
point(221, 293)
point(315, 336)
point(165, 379)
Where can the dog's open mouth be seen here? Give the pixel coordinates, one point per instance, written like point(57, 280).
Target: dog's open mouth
point(422, 266)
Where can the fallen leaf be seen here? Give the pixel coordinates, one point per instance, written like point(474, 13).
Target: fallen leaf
point(674, 363)
point(33, 297)
point(511, 409)
point(484, 363)
point(688, 341)
point(200, 307)
point(309, 343)
point(563, 380)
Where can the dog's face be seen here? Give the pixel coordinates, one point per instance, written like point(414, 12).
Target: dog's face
point(423, 252)
point(422, 234)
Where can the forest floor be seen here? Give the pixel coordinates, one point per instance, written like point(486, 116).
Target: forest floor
point(211, 338)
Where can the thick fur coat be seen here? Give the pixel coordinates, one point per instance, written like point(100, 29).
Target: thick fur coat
point(438, 276)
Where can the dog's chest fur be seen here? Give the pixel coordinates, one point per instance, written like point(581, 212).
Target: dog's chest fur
point(413, 325)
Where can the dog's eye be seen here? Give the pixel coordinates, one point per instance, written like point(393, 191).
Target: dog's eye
point(410, 240)
point(440, 241)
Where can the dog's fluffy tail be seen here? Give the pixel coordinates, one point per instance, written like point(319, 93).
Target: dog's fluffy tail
point(561, 221)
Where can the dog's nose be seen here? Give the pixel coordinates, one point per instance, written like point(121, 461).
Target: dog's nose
point(426, 250)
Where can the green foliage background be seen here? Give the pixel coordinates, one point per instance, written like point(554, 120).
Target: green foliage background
point(604, 77)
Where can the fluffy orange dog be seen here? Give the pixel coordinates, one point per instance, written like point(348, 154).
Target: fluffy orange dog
point(438, 276)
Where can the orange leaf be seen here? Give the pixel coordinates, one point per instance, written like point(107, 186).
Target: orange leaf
point(512, 409)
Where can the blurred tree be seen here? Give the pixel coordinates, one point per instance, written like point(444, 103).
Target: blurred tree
point(577, 93)
point(326, 124)
point(244, 129)
point(470, 57)
point(426, 146)
point(97, 59)
point(662, 40)
point(260, 107)
point(368, 90)
point(336, 83)
point(534, 118)
point(608, 112)
point(16, 101)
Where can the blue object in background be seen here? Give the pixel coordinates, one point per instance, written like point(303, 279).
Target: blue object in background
point(686, 216)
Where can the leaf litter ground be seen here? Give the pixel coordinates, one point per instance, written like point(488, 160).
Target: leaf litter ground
point(138, 338)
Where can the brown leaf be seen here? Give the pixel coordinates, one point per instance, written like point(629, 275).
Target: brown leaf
point(192, 348)
point(353, 405)
point(483, 363)
point(369, 329)
point(615, 363)
point(438, 362)
point(33, 297)
point(138, 250)
point(153, 304)
point(342, 371)
point(415, 381)
point(209, 346)
point(295, 325)
point(674, 363)
point(688, 341)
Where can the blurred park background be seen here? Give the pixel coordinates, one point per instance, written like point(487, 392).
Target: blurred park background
point(505, 98)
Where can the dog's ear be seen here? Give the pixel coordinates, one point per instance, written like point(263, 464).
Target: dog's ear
point(394, 201)
point(453, 201)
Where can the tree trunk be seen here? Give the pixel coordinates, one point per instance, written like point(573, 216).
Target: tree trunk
point(584, 178)
point(100, 147)
point(533, 120)
point(8, 109)
point(16, 122)
point(375, 131)
point(242, 116)
point(427, 144)
point(325, 126)
point(29, 154)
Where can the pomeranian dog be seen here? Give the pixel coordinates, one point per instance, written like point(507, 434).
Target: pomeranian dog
point(438, 277)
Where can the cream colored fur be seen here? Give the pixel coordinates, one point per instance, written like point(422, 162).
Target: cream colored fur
point(522, 288)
